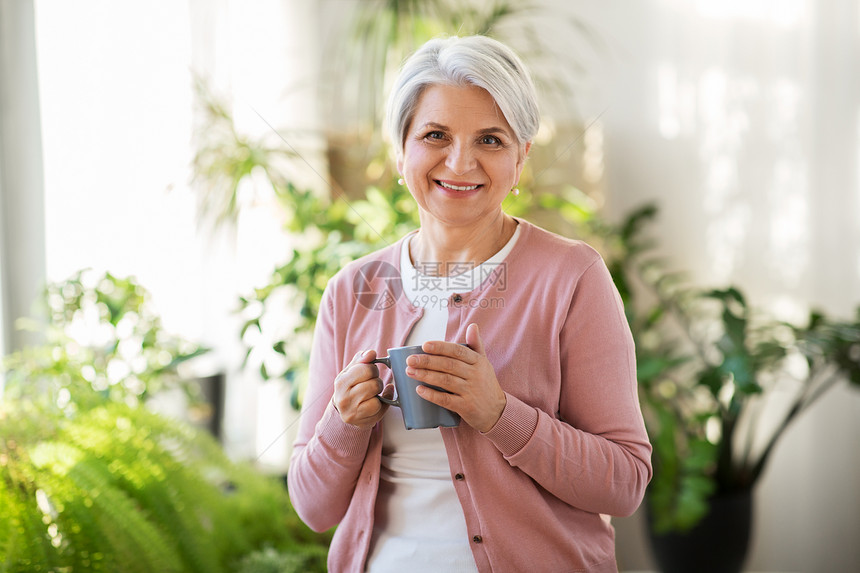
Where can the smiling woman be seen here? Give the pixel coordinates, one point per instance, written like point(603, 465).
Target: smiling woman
point(539, 365)
point(460, 159)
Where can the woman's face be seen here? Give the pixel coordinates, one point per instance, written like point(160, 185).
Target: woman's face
point(460, 157)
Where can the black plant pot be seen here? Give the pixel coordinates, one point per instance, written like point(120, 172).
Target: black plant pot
point(717, 544)
point(210, 414)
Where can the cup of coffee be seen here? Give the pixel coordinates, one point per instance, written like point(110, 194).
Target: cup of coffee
point(417, 412)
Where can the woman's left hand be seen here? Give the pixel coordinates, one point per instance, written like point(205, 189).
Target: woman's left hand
point(472, 389)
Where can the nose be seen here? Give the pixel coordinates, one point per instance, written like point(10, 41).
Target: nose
point(460, 159)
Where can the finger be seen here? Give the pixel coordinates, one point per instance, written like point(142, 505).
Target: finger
point(363, 356)
point(448, 382)
point(435, 368)
point(358, 401)
point(358, 368)
point(438, 397)
point(365, 413)
point(358, 358)
point(473, 339)
point(369, 388)
point(356, 374)
point(451, 349)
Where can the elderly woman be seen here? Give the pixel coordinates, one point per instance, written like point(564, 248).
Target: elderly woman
point(552, 439)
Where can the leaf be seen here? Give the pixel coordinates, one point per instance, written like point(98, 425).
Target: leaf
point(633, 224)
point(712, 379)
point(692, 502)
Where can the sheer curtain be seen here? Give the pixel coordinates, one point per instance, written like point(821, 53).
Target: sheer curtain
point(116, 82)
point(741, 118)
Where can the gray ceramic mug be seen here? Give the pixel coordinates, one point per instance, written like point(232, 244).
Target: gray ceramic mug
point(418, 413)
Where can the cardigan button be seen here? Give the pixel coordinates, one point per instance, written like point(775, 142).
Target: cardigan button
point(458, 298)
point(459, 477)
point(477, 539)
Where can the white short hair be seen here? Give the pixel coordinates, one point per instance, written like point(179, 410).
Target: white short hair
point(472, 60)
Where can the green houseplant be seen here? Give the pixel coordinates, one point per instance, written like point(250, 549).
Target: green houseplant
point(106, 330)
point(709, 364)
point(707, 359)
point(92, 480)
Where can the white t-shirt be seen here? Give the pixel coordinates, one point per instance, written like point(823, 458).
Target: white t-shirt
point(419, 524)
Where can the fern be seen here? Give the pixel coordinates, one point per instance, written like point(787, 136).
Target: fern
point(119, 488)
point(92, 481)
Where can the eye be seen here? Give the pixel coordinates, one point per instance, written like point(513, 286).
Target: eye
point(435, 135)
point(490, 140)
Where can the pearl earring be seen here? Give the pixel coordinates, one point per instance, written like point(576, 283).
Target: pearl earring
point(401, 182)
point(515, 191)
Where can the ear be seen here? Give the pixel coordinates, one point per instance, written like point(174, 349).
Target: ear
point(400, 164)
point(522, 161)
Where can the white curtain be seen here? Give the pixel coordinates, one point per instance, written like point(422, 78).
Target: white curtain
point(741, 119)
point(118, 115)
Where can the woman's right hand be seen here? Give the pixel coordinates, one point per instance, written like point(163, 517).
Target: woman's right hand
point(355, 390)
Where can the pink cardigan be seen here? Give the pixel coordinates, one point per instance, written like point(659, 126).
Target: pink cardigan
point(570, 445)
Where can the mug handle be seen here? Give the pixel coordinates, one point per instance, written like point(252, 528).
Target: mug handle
point(385, 360)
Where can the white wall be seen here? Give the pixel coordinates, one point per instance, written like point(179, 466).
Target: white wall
point(741, 119)
point(22, 260)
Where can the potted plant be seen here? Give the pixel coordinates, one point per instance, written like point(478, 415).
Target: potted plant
point(708, 366)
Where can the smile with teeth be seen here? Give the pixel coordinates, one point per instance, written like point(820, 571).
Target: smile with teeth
point(457, 187)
